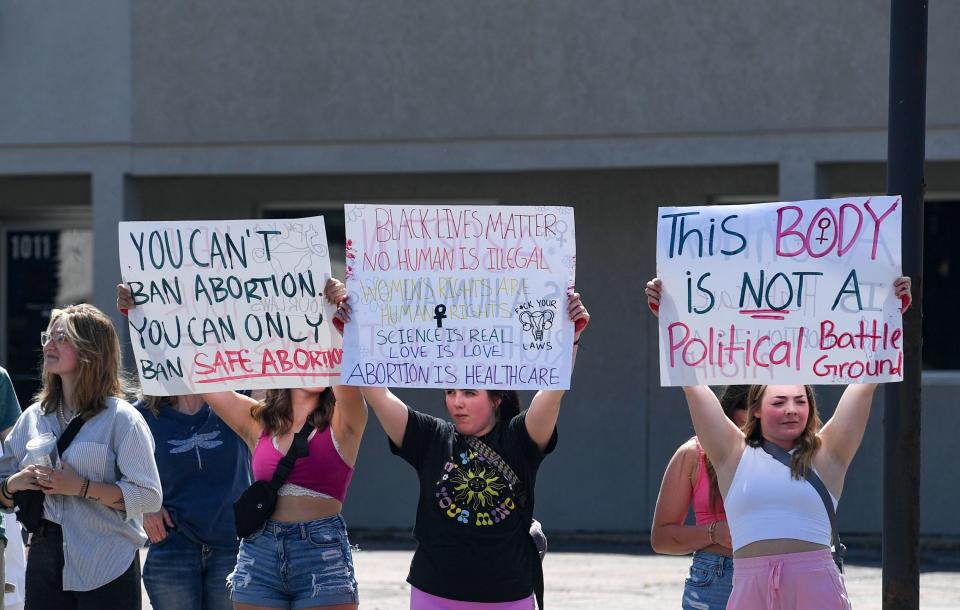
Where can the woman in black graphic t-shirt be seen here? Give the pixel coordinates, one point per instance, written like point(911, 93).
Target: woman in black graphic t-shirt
point(477, 479)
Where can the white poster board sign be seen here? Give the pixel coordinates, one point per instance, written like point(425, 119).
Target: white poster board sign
point(459, 296)
point(229, 305)
point(788, 292)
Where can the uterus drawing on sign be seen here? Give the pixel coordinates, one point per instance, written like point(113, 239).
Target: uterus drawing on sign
point(536, 321)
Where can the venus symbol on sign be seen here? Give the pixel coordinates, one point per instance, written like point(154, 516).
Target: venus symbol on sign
point(824, 224)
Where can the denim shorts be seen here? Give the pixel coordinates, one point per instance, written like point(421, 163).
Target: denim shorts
point(295, 565)
point(710, 582)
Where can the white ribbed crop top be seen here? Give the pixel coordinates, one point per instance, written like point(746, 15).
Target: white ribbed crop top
point(765, 503)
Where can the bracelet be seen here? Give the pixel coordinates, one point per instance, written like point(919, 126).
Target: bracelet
point(84, 488)
point(5, 491)
point(577, 343)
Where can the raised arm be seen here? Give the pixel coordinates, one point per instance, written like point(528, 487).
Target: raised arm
point(541, 418)
point(842, 435)
point(234, 409)
point(719, 436)
point(351, 411)
point(391, 412)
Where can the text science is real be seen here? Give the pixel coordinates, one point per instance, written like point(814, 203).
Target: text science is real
point(792, 292)
point(456, 296)
point(229, 305)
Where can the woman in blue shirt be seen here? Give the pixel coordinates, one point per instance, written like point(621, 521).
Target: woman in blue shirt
point(204, 467)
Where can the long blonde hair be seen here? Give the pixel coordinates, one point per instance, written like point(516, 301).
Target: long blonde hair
point(806, 444)
point(91, 333)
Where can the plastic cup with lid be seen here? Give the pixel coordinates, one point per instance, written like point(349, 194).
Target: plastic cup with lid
point(42, 451)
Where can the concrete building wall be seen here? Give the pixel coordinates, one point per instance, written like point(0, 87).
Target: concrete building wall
point(65, 73)
point(342, 71)
point(184, 110)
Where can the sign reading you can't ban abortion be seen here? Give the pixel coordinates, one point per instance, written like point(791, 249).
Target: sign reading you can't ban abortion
point(792, 293)
point(459, 296)
point(229, 304)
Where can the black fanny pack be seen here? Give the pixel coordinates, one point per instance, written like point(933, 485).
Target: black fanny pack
point(29, 502)
point(256, 503)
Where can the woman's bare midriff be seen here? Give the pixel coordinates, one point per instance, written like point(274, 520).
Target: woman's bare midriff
point(777, 546)
point(296, 509)
point(718, 549)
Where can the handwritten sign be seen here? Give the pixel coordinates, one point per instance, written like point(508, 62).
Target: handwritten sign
point(791, 293)
point(229, 304)
point(459, 296)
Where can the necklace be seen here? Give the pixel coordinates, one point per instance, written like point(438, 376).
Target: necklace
point(66, 422)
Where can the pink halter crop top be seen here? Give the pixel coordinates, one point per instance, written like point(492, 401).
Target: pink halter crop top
point(323, 471)
point(702, 509)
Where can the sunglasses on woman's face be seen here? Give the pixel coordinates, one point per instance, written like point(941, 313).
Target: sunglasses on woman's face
point(58, 337)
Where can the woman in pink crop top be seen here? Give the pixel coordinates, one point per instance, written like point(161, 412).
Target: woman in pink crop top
point(776, 563)
point(301, 557)
point(690, 479)
point(302, 552)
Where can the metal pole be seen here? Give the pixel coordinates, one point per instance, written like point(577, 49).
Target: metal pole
point(901, 423)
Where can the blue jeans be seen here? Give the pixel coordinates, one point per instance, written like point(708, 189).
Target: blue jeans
point(180, 574)
point(296, 566)
point(710, 582)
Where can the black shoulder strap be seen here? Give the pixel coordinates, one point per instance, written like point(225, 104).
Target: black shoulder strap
point(494, 458)
point(300, 447)
point(69, 434)
point(781, 455)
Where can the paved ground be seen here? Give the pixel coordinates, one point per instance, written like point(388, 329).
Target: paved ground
point(622, 581)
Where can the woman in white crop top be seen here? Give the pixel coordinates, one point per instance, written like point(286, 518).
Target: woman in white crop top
point(779, 527)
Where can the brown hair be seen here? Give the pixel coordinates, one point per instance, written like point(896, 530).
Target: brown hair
point(153, 403)
point(509, 404)
point(734, 397)
point(806, 444)
point(91, 333)
point(275, 413)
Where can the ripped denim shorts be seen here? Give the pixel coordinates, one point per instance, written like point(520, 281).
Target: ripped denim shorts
point(295, 565)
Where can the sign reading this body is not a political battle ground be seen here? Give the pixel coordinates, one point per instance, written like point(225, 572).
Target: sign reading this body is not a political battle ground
point(229, 304)
point(459, 296)
point(794, 293)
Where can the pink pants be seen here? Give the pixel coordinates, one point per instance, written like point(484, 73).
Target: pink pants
point(794, 581)
point(424, 601)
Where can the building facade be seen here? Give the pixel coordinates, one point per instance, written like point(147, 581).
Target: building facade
point(117, 111)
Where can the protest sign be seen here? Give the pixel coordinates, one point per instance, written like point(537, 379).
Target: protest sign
point(229, 304)
point(459, 296)
point(791, 293)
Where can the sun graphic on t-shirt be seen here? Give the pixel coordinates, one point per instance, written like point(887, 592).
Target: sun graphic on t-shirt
point(477, 485)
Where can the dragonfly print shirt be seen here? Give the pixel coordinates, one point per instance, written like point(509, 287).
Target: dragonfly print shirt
point(204, 467)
